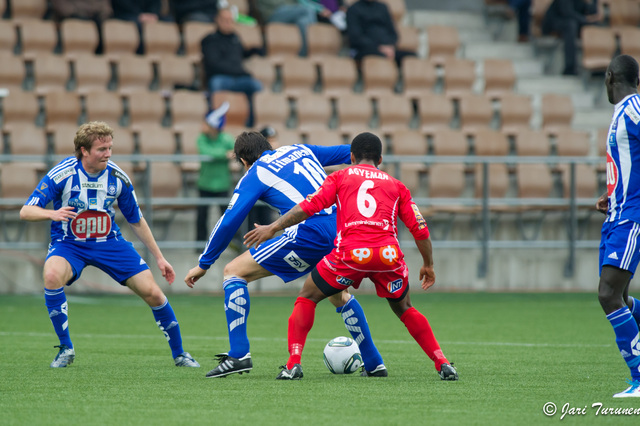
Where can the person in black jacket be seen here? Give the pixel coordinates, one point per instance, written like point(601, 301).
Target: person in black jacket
point(371, 31)
point(222, 56)
point(566, 17)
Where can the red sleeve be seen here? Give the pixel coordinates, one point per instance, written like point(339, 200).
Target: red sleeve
point(410, 214)
point(324, 197)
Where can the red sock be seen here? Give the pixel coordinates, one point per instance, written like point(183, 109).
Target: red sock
point(420, 329)
point(300, 322)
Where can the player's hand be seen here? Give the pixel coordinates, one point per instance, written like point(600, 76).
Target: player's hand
point(258, 235)
point(167, 270)
point(427, 276)
point(194, 275)
point(63, 214)
point(602, 205)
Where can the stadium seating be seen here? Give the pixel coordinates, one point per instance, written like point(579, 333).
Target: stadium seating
point(8, 37)
point(572, 143)
point(557, 112)
point(135, 73)
point(498, 184)
point(105, 106)
point(261, 69)
point(145, 109)
point(27, 10)
point(155, 140)
point(188, 110)
point(26, 139)
point(324, 138)
point(324, 40)
point(585, 180)
point(436, 112)
point(419, 77)
point(51, 72)
point(530, 142)
point(629, 41)
point(515, 113)
point(449, 142)
point(410, 143)
point(443, 42)
point(119, 38)
point(91, 73)
point(533, 181)
point(394, 112)
point(488, 142)
point(78, 38)
point(354, 113)
point(160, 39)
point(193, 32)
point(314, 113)
point(598, 47)
point(459, 77)
point(338, 75)
point(250, 36)
point(499, 77)
point(408, 38)
point(238, 109)
point(12, 71)
point(174, 71)
point(19, 108)
point(62, 108)
point(271, 109)
point(379, 75)
point(18, 179)
point(36, 37)
point(475, 111)
point(445, 180)
point(397, 9)
point(299, 76)
point(282, 40)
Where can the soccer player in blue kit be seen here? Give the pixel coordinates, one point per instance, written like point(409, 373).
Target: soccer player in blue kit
point(619, 254)
point(281, 178)
point(83, 189)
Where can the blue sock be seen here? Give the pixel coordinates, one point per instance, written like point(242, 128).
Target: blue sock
point(627, 336)
point(168, 324)
point(356, 323)
point(236, 308)
point(56, 302)
point(635, 309)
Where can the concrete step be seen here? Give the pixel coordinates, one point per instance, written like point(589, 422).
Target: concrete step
point(592, 118)
point(461, 20)
point(498, 49)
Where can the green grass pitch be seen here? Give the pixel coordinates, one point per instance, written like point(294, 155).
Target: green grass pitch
point(514, 353)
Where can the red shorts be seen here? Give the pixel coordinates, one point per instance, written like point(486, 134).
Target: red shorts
point(384, 266)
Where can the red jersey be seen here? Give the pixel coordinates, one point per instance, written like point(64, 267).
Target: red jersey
point(369, 203)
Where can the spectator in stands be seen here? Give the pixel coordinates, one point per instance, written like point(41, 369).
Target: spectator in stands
point(89, 10)
point(193, 10)
point(566, 18)
point(215, 177)
point(222, 56)
point(288, 12)
point(371, 31)
point(522, 9)
point(332, 12)
point(138, 11)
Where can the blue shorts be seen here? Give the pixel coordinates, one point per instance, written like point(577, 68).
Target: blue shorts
point(619, 245)
point(117, 258)
point(294, 253)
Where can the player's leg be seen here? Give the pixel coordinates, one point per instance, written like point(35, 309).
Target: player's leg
point(144, 285)
point(300, 323)
point(613, 282)
point(356, 322)
point(420, 329)
point(58, 272)
point(632, 303)
point(237, 274)
point(618, 260)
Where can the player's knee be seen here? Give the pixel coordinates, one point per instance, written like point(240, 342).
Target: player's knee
point(53, 279)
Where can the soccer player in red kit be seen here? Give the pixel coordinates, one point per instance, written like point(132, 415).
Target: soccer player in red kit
point(369, 203)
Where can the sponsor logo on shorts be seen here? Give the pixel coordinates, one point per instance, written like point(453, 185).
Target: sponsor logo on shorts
point(77, 203)
point(389, 255)
point(294, 260)
point(329, 265)
point(343, 280)
point(394, 285)
point(64, 174)
point(361, 255)
point(91, 224)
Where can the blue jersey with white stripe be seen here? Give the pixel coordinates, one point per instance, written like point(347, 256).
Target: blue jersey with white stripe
point(281, 178)
point(91, 196)
point(623, 161)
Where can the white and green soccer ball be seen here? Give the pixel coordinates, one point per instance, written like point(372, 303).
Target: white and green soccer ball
point(342, 356)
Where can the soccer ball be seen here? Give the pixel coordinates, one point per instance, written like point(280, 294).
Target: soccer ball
point(342, 356)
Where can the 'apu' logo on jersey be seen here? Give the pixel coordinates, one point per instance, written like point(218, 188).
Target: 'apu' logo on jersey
point(394, 285)
point(344, 280)
point(612, 175)
point(91, 224)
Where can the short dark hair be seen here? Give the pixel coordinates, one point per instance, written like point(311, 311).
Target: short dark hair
point(366, 146)
point(626, 67)
point(249, 146)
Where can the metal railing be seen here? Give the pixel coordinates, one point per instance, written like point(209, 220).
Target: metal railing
point(483, 204)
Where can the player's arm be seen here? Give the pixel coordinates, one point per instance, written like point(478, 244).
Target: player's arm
point(427, 275)
point(602, 205)
point(37, 213)
point(262, 233)
point(143, 232)
point(331, 155)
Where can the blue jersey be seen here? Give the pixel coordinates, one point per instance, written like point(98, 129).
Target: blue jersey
point(92, 197)
point(281, 178)
point(623, 161)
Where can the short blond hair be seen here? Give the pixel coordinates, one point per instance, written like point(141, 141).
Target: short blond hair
point(88, 133)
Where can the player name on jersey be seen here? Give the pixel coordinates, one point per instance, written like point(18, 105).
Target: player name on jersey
point(368, 174)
